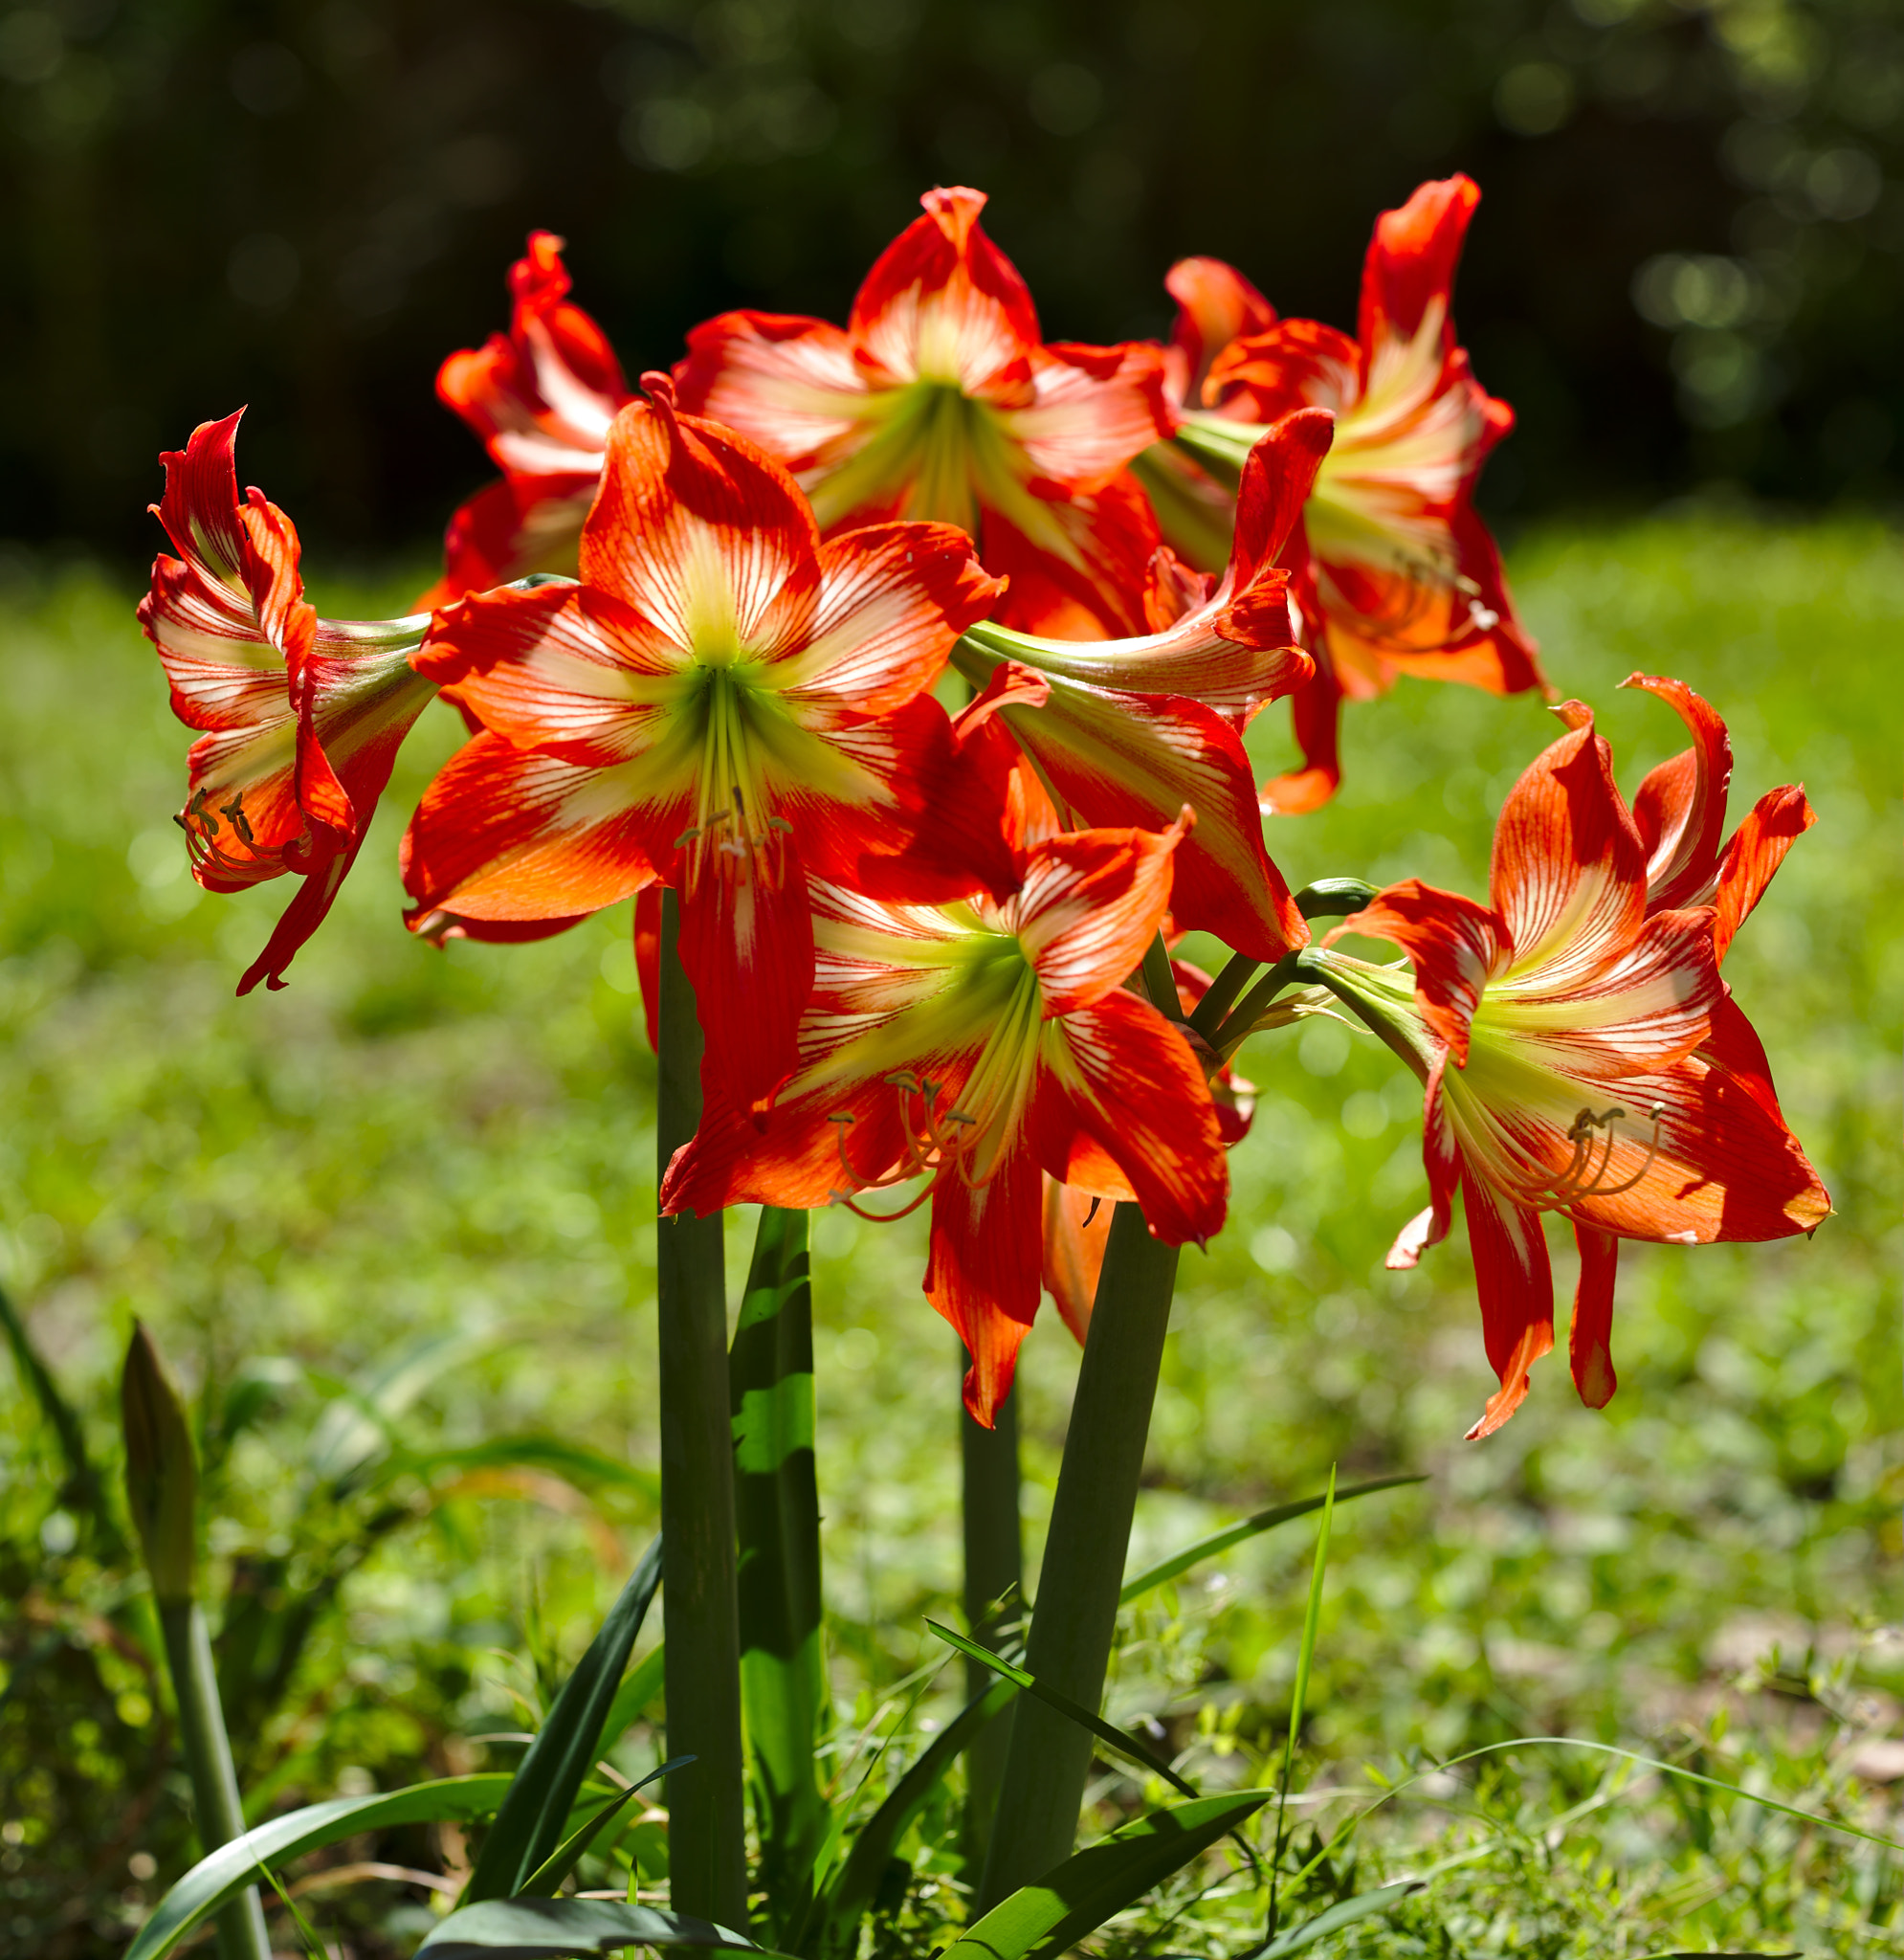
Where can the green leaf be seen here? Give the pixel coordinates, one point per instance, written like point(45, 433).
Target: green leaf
point(641, 1685)
point(784, 1691)
point(1095, 1884)
point(1117, 1740)
point(572, 1462)
point(1180, 1562)
point(1299, 1695)
point(547, 1929)
point(852, 1888)
point(81, 1488)
point(542, 1883)
point(535, 1814)
point(1345, 1913)
point(233, 1866)
point(355, 1426)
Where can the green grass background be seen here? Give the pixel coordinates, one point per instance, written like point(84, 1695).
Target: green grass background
point(407, 1144)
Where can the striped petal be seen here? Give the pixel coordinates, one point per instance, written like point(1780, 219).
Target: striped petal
point(1089, 906)
point(1215, 305)
point(983, 1269)
point(1680, 809)
point(1516, 1284)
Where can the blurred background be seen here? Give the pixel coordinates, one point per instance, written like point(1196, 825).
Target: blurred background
point(1686, 272)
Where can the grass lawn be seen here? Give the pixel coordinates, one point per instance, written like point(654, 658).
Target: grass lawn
point(429, 1176)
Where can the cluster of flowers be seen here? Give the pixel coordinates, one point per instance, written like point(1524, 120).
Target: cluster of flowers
point(696, 633)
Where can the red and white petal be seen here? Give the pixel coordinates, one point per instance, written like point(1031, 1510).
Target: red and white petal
point(1441, 1158)
point(1516, 1284)
point(892, 599)
point(1407, 278)
point(1645, 1009)
point(1278, 475)
point(747, 946)
point(943, 303)
point(553, 666)
point(1294, 363)
point(1215, 305)
point(1075, 567)
point(300, 917)
point(1119, 1075)
point(1724, 1169)
point(506, 834)
point(509, 530)
point(1589, 1340)
point(1752, 855)
point(1089, 906)
point(1680, 809)
point(1078, 1225)
point(200, 505)
point(785, 382)
point(983, 1269)
point(1568, 870)
point(1094, 409)
point(693, 527)
point(1455, 945)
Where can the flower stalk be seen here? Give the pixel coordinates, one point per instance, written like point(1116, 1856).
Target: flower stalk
point(1077, 1610)
point(994, 1573)
point(707, 1818)
point(162, 1494)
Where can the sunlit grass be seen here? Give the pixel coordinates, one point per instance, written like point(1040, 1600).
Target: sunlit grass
point(406, 1142)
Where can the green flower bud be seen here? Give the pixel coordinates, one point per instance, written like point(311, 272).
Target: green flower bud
point(161, 1469)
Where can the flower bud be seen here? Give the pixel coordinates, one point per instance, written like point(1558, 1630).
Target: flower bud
point(161, 1469)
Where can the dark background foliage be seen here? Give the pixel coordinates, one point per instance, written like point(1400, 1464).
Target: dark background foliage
point(1687, 268)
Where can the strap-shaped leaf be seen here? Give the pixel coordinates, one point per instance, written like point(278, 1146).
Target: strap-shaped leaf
point(549, 1928)
point(784, 1691)
point(547, 1879)
point(1045, 1919)
point(643, 1682)
point(1120, 1742)
point(535, 1814)
point(856, 1882)
point(1293, 1938)
point(235, 1867)
point(1181, 1561)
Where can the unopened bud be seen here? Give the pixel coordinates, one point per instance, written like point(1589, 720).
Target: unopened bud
point(161, 1469)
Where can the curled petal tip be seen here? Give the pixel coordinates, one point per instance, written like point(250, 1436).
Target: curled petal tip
point(660, 388)
point(1576, 714)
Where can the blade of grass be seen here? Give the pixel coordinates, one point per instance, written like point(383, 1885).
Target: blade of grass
point(1180, 1562)
point(545, 1928)
point(1304, 1659)
point(542, 1883)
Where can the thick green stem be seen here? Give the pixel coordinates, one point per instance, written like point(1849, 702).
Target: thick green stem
point(707, 1809)
point(208, 1756)
point(1077, 1612)
point(994, 1568)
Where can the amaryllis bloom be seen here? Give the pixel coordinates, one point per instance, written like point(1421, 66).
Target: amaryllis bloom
point(302, 716)
point(724, 703)
point(1400, 573)
point(539, 398)
point(940, 400)
point(1124, 731)
point(1581, 1055)
point(985, 1045)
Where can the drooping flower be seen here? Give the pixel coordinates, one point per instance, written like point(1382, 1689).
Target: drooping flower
point(1398, 575)
point(303, 717)
point(985, 1045)
point(940, 400)
point(724, 702)
point(541, 399)
point(1124, 731)
point(1581, 1055)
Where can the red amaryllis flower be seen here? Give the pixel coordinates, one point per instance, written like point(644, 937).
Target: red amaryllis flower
point(1124, 731)
point(302, 716)
point(983, 1045)
point(1599, 1069)
point(540, 398)
point(1400, 573)
point(940, 401)
point(724, 702)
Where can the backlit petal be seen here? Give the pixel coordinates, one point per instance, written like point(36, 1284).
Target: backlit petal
point(1680, 809)
point(1589, 1342)
point(1091, 903)
point(983, 1269)
point(1515, 1284)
